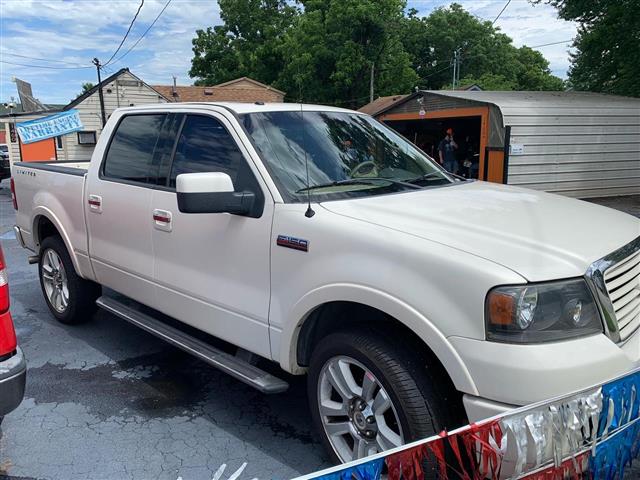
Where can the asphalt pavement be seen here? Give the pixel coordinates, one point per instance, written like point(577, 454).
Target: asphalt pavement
point(106, 400)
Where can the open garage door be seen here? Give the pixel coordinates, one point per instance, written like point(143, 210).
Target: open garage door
point(470, 126)
point(428, 133)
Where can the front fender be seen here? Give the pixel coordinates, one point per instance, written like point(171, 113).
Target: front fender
point(386, 303)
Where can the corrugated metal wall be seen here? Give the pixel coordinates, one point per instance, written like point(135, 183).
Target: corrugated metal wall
point(579, 151)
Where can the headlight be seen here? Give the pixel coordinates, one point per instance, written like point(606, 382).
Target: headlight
point(542, 312)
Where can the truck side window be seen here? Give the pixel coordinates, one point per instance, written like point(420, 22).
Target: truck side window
point(205, 145)
point(132, 147)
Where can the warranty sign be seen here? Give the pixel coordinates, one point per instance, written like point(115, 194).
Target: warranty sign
point(49, 127)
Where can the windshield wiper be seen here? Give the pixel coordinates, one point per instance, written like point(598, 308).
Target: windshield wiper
point(358, 181)
point(427, 176)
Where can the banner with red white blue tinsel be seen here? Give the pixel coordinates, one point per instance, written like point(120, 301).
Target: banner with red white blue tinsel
point(594, 434)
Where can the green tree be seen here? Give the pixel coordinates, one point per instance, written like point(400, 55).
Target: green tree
point(532, 72)
point(607, 57)
point(487, 81)
point(333, 46)
point(324, 50)
point(248, 43)
point(86, 86)
point(487, 55)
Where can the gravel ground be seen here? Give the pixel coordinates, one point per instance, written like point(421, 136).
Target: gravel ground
point(106, 400)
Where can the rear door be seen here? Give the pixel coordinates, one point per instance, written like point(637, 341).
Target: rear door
point(118, 197)
point(212, 270)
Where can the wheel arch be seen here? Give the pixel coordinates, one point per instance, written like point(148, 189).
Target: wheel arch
point(46, 224)
point(315, 315)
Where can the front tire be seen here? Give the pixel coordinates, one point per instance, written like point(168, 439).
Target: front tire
point(70, 298)
point(369, 394)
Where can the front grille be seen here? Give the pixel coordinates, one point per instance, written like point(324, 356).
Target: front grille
point(622, 281)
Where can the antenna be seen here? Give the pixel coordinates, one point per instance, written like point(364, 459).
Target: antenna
point(309, 213)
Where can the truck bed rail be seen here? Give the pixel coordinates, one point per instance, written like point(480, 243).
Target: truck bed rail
point(68, 168)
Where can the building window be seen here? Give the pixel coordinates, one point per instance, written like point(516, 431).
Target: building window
point(59, 143)
point(87, 137)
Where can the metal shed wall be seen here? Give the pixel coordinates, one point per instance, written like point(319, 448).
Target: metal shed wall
point(577, 144)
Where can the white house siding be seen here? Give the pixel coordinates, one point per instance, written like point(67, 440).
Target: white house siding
point(115, 95)
point(574, 143)
point(89, 110)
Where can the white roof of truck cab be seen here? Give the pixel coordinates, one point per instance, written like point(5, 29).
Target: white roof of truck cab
point(240, 108)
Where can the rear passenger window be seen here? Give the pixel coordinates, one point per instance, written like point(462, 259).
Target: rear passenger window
point(205, 145)
point(132, 147)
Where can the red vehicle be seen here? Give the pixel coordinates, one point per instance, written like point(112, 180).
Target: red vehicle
point(13, 367)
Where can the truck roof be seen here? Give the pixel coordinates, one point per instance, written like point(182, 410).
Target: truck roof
point(240, 108)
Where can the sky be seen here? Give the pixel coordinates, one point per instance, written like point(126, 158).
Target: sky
point(70, 33)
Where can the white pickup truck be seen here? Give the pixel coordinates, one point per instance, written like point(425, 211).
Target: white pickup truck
point(319, 239)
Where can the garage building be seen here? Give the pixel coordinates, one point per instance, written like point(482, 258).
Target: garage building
point(577, 144)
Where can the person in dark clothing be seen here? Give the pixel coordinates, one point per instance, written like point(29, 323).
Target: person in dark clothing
point(447, 151)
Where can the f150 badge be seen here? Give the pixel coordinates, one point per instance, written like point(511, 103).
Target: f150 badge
point(292, 242)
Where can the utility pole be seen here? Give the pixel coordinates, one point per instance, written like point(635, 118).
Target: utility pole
point(96, 62)
point(371, 83)
point(455, 66)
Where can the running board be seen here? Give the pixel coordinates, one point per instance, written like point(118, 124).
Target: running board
point(234, 366)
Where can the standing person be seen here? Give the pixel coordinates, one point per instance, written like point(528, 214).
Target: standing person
point(447, 149)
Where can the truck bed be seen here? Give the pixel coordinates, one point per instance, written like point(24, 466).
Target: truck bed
point(54, 190)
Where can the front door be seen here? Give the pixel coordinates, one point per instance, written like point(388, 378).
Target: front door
point(212, 270)
point(118, 199)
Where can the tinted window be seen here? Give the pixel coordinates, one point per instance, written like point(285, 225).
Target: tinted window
point(206, 146)
point(131, 150)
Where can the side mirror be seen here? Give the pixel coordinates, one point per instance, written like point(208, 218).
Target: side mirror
point(211, 192)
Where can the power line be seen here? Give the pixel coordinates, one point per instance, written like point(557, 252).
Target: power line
point(126, 34)
point(145, 32)
point(439, 71)
point(39, 58)
point(554, 43)
point(43, 66)
point(503, 9)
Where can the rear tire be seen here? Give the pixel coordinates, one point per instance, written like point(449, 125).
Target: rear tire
point(422, 400)
point(70, 299)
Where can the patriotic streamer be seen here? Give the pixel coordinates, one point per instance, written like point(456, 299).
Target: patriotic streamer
point(615, 454)
point(594, 434)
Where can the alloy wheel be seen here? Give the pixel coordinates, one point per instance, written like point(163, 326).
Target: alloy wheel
point(54, 279)
point(357, 413)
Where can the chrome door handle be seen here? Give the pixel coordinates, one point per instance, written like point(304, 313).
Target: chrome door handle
point(162, 220)
point(95, 203)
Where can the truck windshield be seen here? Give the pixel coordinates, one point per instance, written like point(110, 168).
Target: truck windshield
point(339, 147)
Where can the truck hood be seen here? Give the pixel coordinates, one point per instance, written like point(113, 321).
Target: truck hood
point(538, 235)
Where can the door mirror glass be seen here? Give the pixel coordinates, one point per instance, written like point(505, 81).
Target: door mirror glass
point(212, 192)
